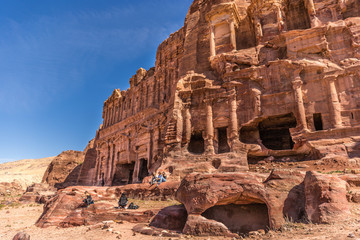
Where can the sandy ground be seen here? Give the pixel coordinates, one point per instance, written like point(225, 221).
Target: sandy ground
point(26, 171)
point(23, 218)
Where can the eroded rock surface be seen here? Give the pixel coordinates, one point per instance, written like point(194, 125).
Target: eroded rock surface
point(246, 202)
point(326, 200)
point(66, 209)
point(64, 170)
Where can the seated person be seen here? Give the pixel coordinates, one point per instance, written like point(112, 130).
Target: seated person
point(123, 201)
point(161, 178)
point(153, 179)
point(88, 199)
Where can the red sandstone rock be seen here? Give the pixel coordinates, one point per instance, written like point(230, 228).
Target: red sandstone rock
point(325, 198)
point(66, 208)
point(171, 218)
point(352, 179)
point(206, 194)
point(21, 236)
point(63, 171)
point(38, 192)
point(200, 226)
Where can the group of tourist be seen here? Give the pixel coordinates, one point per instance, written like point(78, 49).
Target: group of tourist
point(158, 178)
point(123, 201)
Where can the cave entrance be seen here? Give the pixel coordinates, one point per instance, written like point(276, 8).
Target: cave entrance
point(222, 140)
point(240, 218)
point(143, 169)
point(123, 174)
point(274, 131)
point(196, 144)
point(318, 124)
point(297, 16)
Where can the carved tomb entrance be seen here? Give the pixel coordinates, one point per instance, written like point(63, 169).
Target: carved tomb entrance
point(222, 140)
point(143, 169)
point(196, 144)
point(274, 131)
point(123, 174)
point(240, 218)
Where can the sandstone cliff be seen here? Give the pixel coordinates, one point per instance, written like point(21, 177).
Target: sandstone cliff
point(240, 82)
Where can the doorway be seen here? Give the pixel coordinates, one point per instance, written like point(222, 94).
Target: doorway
point(143, 169)
point(222, 141)
point(318, 124)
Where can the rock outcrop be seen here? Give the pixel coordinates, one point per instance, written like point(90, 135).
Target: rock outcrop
point(228, 203)
point(10, 189)
point(64, 170)
point(39, 193)
point(326, 200)
point(66, 208)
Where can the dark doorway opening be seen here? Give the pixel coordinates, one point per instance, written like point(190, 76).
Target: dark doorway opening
point(318, 124)
point(222, 141)
point(123, 174)
point(274, 131)
point(240, 218)
point(297, 16)
point(196, 144)
point(143, 170)
point(131, 173)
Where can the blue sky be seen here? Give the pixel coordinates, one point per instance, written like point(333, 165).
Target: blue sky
point(60, 60)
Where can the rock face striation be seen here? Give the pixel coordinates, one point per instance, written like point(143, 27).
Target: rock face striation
point(64, 170)
point(239, 82)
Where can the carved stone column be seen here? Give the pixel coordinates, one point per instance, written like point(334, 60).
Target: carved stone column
point(212, 41)
point(257, 101)
point(232, 34)
point(187, 123)
point(105, 118)
point(234, 129)
point(297, 86)
point(209, 141)
point(335, 103)
point(179, 128)
point(109, 166)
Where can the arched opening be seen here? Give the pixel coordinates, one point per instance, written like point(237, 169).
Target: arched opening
point(297, 16)
point(275, 131)
point(196, 144)
point(240, 218)
point(143, 169)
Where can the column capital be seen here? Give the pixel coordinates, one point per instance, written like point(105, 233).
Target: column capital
point(330, 78)
point(297, 83)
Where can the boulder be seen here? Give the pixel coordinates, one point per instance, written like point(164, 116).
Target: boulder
point(21, 236)
point(326, 200)
point(171, 218)
point(200, 226)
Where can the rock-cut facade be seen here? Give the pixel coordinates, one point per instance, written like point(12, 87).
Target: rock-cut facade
point(241, 81)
